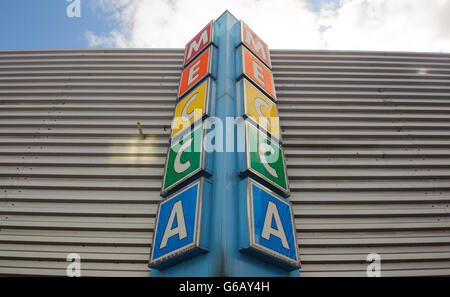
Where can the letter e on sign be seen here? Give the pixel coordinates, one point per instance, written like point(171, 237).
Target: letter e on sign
point(195, 72)
point(255, 44)
point(199, 43)
point(258, 72)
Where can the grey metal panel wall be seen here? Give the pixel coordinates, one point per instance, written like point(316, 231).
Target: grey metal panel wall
point(366, 138)
point(75, 176)
point(367, 141)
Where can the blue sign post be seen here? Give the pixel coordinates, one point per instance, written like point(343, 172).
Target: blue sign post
point(222, 238)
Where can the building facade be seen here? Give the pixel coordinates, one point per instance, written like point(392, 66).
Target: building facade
point(366, 137)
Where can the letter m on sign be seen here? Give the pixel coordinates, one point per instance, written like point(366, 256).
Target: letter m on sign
point(258, 47)
point(199, 43)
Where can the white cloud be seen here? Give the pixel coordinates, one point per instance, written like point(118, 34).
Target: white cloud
point(412, 25)
point(407, 25)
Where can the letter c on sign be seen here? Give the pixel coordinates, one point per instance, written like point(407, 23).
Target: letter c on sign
point(258, 104)
point(185, 116)
point(177, 165)
point(263, 149)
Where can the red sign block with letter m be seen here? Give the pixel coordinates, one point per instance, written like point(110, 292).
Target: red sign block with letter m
point(199, 43)
point(258, 47)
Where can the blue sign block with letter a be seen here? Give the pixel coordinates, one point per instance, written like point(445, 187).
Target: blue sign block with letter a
point(267, 230)
point(181, 229)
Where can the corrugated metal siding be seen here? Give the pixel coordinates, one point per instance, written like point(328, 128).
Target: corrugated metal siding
point(366, 139)
point(75, 175)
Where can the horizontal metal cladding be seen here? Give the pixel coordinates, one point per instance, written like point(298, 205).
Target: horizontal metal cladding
point(75, 175)
point(366, 136)
point(367, 141)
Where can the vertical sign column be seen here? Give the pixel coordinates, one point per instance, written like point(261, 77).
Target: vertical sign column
point(212, 220)
point(182, 230)
point(269, 230)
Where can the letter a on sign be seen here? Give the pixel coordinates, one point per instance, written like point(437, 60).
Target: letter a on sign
point(199, 43)
point(176, 216)
point(179, 231)
point(273, 215)
point(270, 227)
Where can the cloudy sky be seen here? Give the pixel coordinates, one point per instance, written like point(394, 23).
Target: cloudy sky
point(398, 25)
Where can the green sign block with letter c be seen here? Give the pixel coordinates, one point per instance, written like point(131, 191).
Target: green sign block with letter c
point(264, 159)
point(185, 161)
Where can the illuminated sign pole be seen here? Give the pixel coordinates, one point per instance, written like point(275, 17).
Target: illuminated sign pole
point(225, 212)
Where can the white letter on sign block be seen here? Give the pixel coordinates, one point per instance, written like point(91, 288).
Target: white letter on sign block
point(257, 46)
point(177, 165)
point(195, 46)
point(185, 116)
point(257, 72)
point(259, 102)
point(263, 148)
point(194, 69)
point(180, 229)
point(272, 212)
